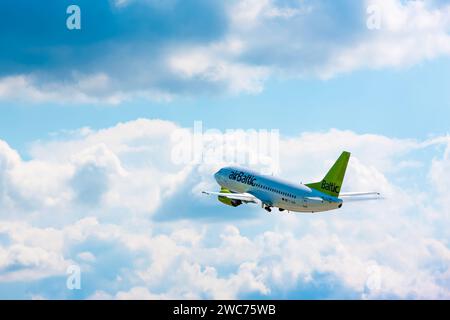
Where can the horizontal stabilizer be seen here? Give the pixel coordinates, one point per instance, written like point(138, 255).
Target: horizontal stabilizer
point(358, 194)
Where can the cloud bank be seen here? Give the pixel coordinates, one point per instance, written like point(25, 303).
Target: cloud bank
point(157, 50)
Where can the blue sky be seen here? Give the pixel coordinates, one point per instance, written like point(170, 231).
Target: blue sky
point(363, 101)
point(87, 177)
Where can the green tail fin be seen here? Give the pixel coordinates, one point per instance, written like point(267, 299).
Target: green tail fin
point(332, 182)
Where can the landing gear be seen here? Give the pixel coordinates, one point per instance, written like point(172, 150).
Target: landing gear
point(280, 209)
point(267, 208)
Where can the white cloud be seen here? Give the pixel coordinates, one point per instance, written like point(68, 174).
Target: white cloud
point(261, 40)
point(214, 64)
point(410, 32)
point(82, 89)
point(278, 39)
point(46, 225)
point(32, 253)
point(86, 256)
point(438, 175)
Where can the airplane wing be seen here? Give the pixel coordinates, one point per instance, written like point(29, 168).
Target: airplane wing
point(359, 196)
point(244, 197)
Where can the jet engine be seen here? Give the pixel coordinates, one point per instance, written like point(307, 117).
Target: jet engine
point(229, 202)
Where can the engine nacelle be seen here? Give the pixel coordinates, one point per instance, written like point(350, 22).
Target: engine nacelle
point(229, 202)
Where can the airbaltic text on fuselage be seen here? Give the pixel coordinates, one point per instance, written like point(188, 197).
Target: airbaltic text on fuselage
point(240, 176)
point(330, 186)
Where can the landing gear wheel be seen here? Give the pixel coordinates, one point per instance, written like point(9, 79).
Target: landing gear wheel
point(268, 209)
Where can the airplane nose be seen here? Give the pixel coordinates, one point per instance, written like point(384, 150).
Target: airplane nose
point(217, 176)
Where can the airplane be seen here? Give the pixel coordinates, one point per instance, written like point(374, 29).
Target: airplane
point(241, 186)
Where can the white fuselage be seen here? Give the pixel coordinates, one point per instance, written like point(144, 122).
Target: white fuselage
point(276, 192)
